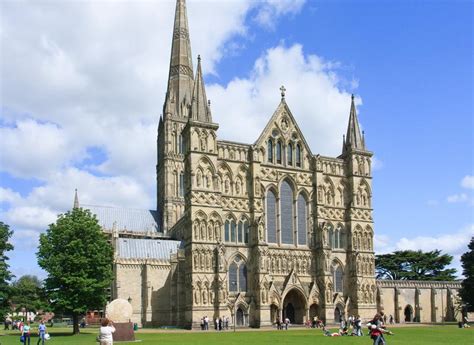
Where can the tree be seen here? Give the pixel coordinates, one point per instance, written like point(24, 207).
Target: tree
point(467, 289)
point(27, 294)
point(78, 258)
point(414, 265)
point(5, 274)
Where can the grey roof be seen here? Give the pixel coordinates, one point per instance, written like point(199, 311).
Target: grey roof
point(125, 218)
point(134, 248)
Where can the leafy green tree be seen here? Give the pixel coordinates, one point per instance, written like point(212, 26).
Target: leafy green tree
point(27, 295)
point(78, 258)
point(467, 290)
point(5, 274)
point(414, 265)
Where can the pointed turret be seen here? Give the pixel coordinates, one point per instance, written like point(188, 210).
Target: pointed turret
point(76, 200)
point(353, 139)
point(200, 108)
point(180, 79)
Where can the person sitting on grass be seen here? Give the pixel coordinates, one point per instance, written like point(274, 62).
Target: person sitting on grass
point(327, 333)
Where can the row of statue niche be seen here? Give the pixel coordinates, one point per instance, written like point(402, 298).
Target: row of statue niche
point(204, 259)
point(205, 180)
point(362, 241)
point(366, 294)
point(362, 165)
point(365, 266)
point(328, 196)
point(207, 232)
point(284, 264)
point(204, 294)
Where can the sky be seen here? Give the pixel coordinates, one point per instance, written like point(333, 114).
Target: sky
point(83, 83)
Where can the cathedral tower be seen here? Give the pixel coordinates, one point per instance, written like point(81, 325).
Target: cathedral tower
point(359, 221)
point(176, 112)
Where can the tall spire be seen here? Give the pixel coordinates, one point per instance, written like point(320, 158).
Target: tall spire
point(200, 108)
point(76, 200)
point(180, 79)
point(353, 139)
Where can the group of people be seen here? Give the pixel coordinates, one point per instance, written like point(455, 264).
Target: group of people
point(25, 330)
point(220, 323)
point(282, 324)
point(376, 328)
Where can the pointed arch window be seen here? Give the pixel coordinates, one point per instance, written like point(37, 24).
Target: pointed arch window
point(298, 155)
point(271, 217)
point(338, 278)
point(278, 153)
point(180, 143)
point(232, 231)
point(246, 232)
point(302, 220)
point(181, 184)
point(286, 211)
point(237, 275)
point(289, 154)
point(270, 151)
point(227, 231)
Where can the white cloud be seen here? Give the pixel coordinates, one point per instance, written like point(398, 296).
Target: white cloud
point(452, 242)
point(271, 9)
point(9, 196)
point(457, 198)
point(306, 77)
point(468, 182)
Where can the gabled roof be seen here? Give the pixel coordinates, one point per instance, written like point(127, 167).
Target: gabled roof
point(282, 108)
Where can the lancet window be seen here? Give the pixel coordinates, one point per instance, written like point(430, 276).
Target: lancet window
point(237, 275)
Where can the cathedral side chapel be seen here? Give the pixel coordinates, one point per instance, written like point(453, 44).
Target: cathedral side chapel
point(255, 231)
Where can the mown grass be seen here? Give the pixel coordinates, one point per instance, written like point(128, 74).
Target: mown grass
point(431, 335)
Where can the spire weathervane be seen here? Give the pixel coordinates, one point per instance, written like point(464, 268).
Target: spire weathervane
point(283, 92)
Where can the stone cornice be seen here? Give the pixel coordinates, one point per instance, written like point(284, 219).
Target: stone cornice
point(418, 284)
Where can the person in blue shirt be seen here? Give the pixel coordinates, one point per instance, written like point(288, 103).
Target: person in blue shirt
point(41, 332)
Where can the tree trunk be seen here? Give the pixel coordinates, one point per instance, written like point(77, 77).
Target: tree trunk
point(75, 323)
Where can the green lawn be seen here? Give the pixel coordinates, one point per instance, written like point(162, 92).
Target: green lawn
point(404, 336)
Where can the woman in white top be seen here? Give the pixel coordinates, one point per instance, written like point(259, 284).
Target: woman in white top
point(106, 330)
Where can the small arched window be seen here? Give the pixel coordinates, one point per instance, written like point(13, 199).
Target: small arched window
point(180, 144)
point(289, 154)
point(298, 155)
point(181, 184)
point(237, 275)
point(270, 151)
point(246, 232)
point(232, 231)
point(227, 231)
point(278, 153)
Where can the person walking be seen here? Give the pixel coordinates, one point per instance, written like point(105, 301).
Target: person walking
point(25, 332)
point(106, 330)
point(41, 333)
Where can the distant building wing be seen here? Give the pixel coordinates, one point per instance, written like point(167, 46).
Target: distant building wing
point(134, 220)
point(133, 248)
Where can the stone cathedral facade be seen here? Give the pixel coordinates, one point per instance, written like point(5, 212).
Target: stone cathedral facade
point(253, 231)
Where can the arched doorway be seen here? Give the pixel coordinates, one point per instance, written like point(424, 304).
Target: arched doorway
point(294, 307)
point(240, 317)
point(313, 311)
point(408, 312)
point(338, 314)
point(274, 313)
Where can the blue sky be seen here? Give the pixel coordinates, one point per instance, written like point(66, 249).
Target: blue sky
point(83, 84)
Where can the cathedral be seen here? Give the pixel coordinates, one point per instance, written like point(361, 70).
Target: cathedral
point(256, 231)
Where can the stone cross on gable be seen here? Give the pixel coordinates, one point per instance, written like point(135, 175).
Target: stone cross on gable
point(283, 91)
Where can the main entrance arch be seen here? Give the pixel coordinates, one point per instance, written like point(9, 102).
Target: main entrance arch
point(294, 307)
